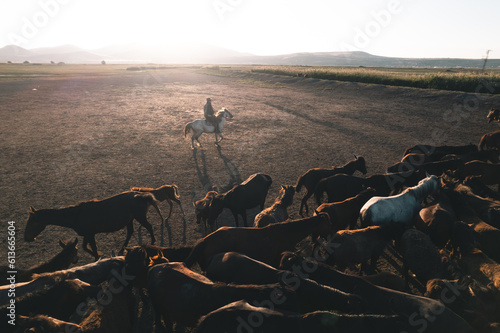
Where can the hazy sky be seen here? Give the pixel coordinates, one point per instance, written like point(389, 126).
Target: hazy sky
point(405, 28)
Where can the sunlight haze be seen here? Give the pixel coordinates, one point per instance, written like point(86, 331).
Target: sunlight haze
point(399, 28)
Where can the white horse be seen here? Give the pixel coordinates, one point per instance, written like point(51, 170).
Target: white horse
point(200, 126)
point(401, 208)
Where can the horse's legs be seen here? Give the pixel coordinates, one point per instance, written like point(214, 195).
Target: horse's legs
point(144, 222)
point(130, 231)
point(218, 141)
point(244, 216)
point(171, 205)
point(235, 215)
point(303, 203)
point(85, 245)
point(95, 253)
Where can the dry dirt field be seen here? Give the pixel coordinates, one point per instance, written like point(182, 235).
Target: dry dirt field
point(84, 135)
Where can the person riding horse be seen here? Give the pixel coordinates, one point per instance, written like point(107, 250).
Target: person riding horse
point(209, 113)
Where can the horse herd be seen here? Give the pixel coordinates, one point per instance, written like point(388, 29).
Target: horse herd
point(434, 211)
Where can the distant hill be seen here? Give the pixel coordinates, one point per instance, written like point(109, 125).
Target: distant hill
point(208, 54)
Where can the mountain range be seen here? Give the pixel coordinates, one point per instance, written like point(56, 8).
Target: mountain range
point(208, 54)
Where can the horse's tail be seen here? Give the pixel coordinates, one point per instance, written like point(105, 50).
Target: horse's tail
point(187, 128)
point(196, 252)
point(176, 192)
point(300, 182)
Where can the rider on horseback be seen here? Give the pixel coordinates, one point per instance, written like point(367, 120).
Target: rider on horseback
point(210, 117)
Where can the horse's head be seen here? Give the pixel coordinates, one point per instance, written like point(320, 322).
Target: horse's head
point(70, 250)
point(215, 208)
point(286, 194)
point(226, 114)
point(361, 164)
point(493, 115)
point(289, 260)
point(34, 225)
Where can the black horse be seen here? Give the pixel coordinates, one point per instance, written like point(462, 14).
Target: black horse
point(249, 194)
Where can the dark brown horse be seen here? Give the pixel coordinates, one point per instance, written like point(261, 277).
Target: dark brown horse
point(68, 256)
point(358, 246)
point(387, 301)
point(437, 152)
point(493, 114)
point(202, 211)
point(489, 173)
point(341, 187)
point(264, 244)
point(345, 213)
point(182, 296)
point(239, 317)
point(472, 260)
point(249, 194)
point(96, 216)
point(437, 220)
point(490, 141)
point(232, 267)
point(312, 177)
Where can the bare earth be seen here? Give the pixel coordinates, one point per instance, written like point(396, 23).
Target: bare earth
point(79, 137)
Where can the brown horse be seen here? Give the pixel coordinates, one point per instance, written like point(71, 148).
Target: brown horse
point(386, 301)
point(182, 296)
point(341, 187)
point(358, 246)
point(166, 192)
point(410, 162)
point(59, 299)
point(493, 114)
point(437, 220)
point(422, 257)
point(489, 239)
point(278, 211)
point(472, 260)
point(96, 216)
point(437, 152)
point(312, 177)
point(345, 213)
point(239, 317)
point(489, 173)
point(202, 210)
point(490, 141)
point(232, 267)
point(68, 256)
point(249, 194)
point(264, 244)
point(478, 187)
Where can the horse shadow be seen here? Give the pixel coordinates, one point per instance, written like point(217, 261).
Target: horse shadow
point(208, 180)
point(232, 170)
point(202, 172)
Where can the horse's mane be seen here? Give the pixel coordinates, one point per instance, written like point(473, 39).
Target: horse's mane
point(142, 189)
point(220, 112)
point(422, 186)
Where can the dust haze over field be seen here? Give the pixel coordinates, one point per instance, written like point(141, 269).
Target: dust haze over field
point(94, 133)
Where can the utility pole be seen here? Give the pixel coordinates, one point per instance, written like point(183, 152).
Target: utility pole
point(485, 60)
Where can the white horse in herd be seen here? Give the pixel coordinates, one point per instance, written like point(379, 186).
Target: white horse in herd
point(200, 126)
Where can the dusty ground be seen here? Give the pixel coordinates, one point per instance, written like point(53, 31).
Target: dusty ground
point(80, 137)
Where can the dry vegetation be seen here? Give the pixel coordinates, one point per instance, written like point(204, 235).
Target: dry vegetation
point(467, 80)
